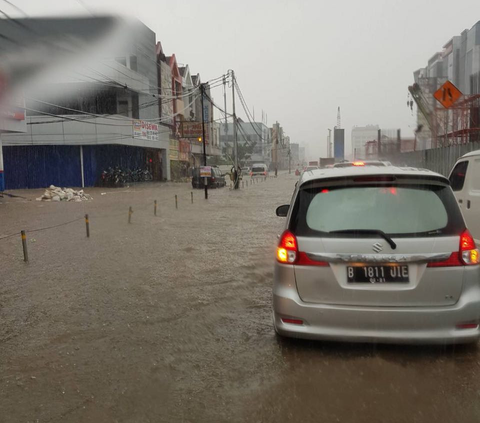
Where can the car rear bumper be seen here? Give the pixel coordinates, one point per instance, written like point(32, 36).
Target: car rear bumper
point(410, 325)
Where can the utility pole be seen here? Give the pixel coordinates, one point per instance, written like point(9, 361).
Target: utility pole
point(289, 158)
point(277, 134)
point(202, 91)
point(235, 141)
point(225, 107)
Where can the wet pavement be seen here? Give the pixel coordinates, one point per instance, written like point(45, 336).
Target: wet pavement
point(168, 319)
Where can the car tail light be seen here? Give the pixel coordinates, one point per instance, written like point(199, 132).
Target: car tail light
point(265, 173)
point(465, 325)
point(293, 321)
point(213, 178)
point(466, 256)
point(287, 252)
point(287, 248)
point(468, 249)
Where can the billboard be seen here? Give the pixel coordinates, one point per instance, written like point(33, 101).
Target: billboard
point(193, 130)
point(145, 130)
point(339, 144)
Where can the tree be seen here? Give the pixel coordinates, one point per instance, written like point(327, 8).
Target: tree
point(245, 151)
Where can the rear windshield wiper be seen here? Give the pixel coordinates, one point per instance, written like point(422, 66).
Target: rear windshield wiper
point(367, 231)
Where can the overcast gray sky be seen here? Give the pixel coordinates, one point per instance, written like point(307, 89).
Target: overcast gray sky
point(300, 60)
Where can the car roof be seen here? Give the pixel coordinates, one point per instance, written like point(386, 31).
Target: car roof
point(345, 172)
point(472, 153)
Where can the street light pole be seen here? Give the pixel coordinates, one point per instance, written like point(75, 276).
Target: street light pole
point(202, 91)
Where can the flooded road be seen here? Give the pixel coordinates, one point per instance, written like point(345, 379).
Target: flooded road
point(168, 319)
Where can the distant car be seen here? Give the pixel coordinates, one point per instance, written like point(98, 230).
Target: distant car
point(216, 180)
point(465, 183)
point(259, 170)
point(376, 254)
point(362, 163)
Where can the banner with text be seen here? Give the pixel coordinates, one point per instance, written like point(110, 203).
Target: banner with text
point(145, 130)
point(193, 130)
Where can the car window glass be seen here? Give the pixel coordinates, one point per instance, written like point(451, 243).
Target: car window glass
point(457, 177)
point(476, 175)
point(396, 210)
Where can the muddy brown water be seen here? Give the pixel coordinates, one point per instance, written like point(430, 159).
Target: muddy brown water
point(168, 319)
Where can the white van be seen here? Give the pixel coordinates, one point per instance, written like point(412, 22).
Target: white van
point(465, 183)
point(259, 169)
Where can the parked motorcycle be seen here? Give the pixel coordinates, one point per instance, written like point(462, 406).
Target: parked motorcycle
point(117, 177)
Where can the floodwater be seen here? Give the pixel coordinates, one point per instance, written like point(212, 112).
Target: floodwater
point(168, 319)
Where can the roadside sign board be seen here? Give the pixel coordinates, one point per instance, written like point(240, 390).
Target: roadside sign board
point(205, 171)
point(447, 94)
point(193, 130)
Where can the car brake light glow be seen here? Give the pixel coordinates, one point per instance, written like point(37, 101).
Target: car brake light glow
point(453, 260)
point(467, 326)
point(287, 248)
point(304, 260)
point(293, 321)
point(467, 242)
point(359, 163)
point(467, 255)
point(468, 249)
point(324, 191)
point(287, 252)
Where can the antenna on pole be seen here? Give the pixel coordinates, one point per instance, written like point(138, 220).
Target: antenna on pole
point(339, 123)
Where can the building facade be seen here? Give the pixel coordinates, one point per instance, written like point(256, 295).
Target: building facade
point(295, 155)
point(360, 136)
point(459, 63)
point(78, 127)
point(254, 139)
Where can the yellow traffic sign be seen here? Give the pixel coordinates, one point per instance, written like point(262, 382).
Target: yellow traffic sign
point(447, 94)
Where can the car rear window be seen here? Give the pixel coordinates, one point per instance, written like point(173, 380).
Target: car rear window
point(406, 210)
point(258, 169)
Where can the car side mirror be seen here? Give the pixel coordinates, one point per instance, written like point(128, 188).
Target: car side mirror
point(282, 211)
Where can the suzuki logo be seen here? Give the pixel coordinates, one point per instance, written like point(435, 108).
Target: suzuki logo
point(377, 247)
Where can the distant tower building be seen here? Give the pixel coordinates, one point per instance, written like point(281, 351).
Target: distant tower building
point(339, 139)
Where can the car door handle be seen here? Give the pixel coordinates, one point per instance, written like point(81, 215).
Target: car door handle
point(468, 204)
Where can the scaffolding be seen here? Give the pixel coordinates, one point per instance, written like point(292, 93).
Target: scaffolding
point(460, 124)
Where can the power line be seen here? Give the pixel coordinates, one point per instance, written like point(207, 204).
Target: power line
point(16, 8)
point(247, 111)
point(64, 117)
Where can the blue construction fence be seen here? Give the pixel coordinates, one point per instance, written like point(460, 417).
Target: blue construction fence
point(39, 166)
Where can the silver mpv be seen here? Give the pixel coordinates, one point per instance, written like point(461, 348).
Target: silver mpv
point(376, 254)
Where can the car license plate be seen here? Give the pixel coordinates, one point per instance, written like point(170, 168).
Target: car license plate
point(378, 274)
